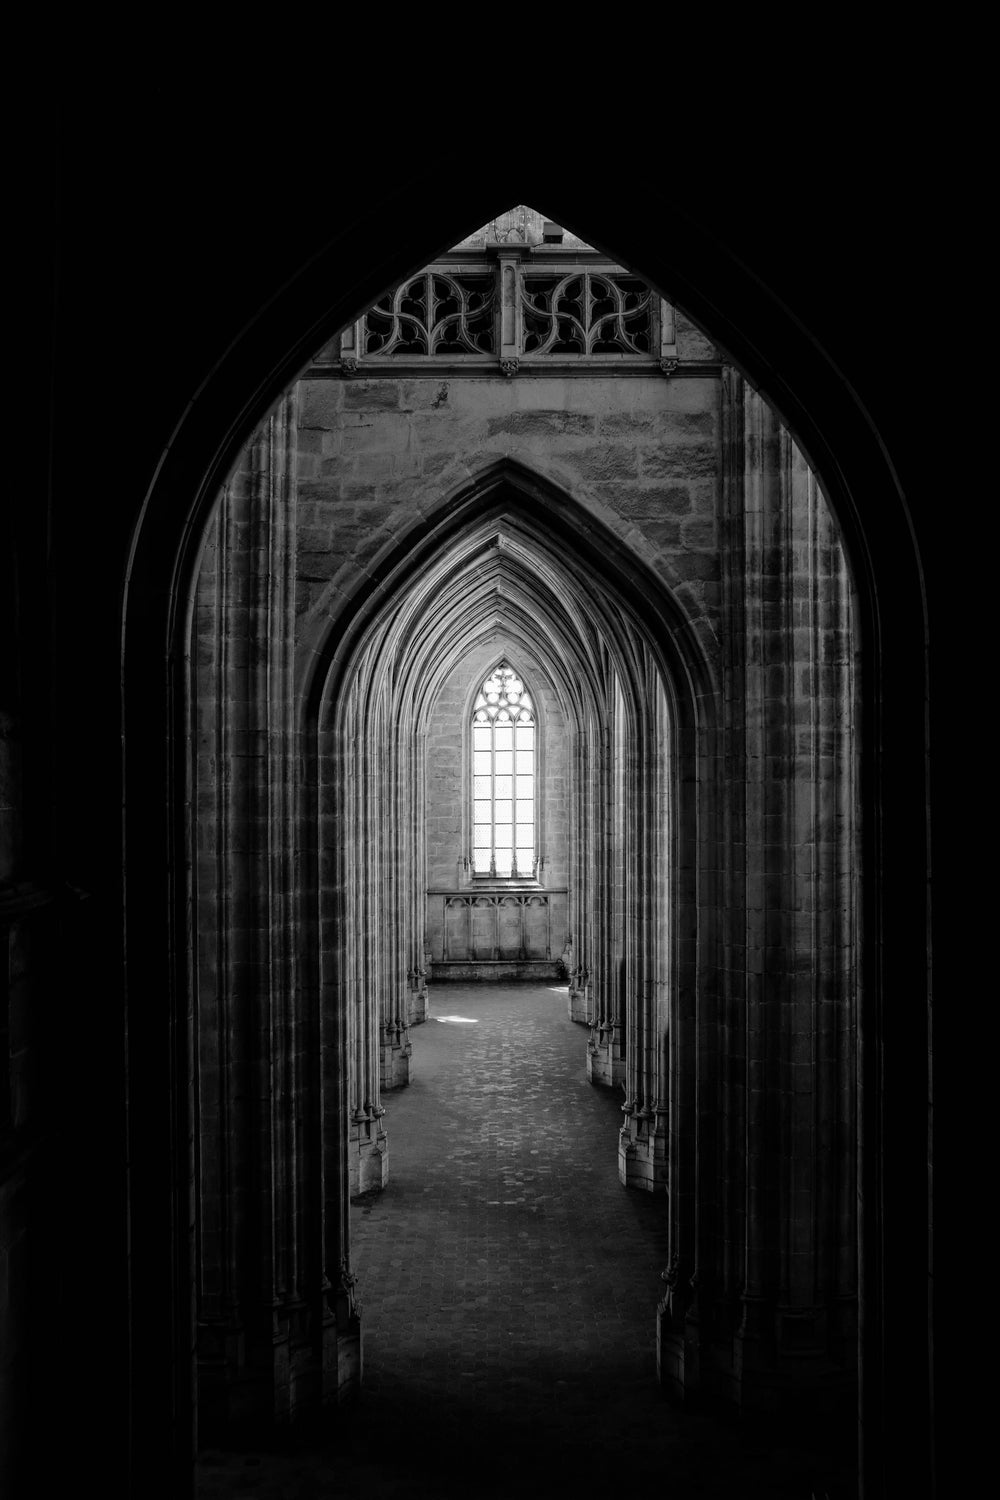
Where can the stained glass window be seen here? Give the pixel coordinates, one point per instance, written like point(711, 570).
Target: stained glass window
point(503, 777)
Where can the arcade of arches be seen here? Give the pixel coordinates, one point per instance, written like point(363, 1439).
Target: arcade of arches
point(615, 514)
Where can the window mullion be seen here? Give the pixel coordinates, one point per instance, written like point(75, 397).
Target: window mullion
point(513, 797)
point(493, 797)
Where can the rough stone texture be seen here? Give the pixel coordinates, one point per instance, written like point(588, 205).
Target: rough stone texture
point(654, 451)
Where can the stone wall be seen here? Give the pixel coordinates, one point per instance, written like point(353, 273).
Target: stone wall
point(376, 456)
point(654, 556)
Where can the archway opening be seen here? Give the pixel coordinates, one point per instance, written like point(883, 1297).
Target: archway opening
point(706, 664)
point(840, 483)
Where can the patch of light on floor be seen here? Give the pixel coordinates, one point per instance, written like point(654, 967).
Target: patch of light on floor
point(457, 1020)
point(558, 989)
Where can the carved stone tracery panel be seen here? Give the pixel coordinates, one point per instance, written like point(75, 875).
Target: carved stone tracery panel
point(587, 313)
point(433, 314)
point(508, 314)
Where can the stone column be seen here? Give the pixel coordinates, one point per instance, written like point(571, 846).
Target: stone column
point(707, 1041)
point(580, 896)
point(260, 1340)
point(642, 1146)
point(780, 1261)
point(414, 882)
point(392, 915)
point(606, 1047)
point(357, 957)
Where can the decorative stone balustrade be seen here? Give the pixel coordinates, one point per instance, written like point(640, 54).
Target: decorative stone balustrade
point(510, 309)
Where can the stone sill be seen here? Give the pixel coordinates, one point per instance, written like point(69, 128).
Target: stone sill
point(432, 367)
point(494, 970)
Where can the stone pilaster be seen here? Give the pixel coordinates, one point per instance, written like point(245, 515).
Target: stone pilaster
point(359, 956)
point(581, 915)
point(643, 1160)
point(783, 1277)
point(606, 1045)
point(257, 1359)
point(418, 958)
point(391, 934)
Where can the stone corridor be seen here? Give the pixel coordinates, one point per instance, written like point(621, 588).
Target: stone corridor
point(508, 1287)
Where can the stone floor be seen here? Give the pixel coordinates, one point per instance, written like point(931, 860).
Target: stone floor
point(508, 1286)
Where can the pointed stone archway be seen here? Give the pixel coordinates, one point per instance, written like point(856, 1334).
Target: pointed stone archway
point(512, 560)
point(838, 481)
point(696, 757)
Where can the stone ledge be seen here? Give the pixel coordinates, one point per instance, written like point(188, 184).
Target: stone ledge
point(491, 971)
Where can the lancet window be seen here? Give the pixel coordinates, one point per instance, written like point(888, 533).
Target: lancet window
point(503, 777)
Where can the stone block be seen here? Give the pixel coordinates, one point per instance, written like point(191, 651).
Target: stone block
point(698, 532)
point(319, 405)
point(680, 461)
point(370, 395)
point(665, 535)
point(526, 425)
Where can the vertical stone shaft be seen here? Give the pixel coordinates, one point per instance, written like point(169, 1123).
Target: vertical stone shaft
point(766, 705)
point(414, 877)
point(725, 1257)
point(361, 862)
point(605, 1056)
point(798, 1000)
point(581, 916)
point(642, 1151)
point(250, 1308)
point(396, 882)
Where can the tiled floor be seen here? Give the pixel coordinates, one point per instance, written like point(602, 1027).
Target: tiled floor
point(508, 1287)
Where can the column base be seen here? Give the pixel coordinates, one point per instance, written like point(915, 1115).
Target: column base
point(782, 1364)
point(342, 1349)
point(249, 1381)
point(678, 1355)
point(416, 1008)
point(579, 1005)
point(605, 1062)
point(754, 1369)
point(394, 1057)
point(368, 1153)
point(642, 1151)
point(678, 1342)
point(284, 1381)
point(349, 1361)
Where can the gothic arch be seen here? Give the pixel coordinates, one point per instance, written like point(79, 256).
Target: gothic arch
point(515, 534)
point(509, 489)
point(764, 341)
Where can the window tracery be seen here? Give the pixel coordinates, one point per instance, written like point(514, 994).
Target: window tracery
point(503, 777)
point(587, 313)
point(517, 316)
point(433, 314)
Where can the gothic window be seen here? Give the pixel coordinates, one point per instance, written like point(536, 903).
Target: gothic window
point(503, 777)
